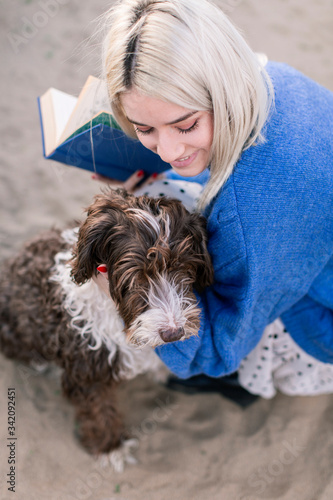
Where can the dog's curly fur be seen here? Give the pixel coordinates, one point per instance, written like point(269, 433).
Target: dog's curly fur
point(155, 252)
point(36, 328)
point(142, 241)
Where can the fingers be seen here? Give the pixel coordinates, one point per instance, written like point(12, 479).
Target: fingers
point(103, 270)
point(154, 177)
point(106, 180)
point(101, 279)
point(129, 184)
point(133, 180)
point(144, 187)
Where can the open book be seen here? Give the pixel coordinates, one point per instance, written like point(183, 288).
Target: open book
point(82, 132)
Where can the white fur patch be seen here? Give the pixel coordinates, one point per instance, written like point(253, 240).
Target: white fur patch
point(149, 220)
point(153, 222)
point(87, 304)
point(121, 456)
point(169, 307)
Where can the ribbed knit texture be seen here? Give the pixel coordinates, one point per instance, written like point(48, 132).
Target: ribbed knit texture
point(270, 235)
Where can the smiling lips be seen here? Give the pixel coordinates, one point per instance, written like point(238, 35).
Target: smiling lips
point(184, 162)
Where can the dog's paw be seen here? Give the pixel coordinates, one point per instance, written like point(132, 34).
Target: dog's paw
point(121, 456)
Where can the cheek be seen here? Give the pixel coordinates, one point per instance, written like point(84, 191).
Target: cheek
point(209, 133)
point(147, 141)
point(206, 143)
point(203, 137)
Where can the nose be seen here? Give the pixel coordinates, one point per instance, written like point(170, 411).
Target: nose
point(169, 147)
point(171, 334)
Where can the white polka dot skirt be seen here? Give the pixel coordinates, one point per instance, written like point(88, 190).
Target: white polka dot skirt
point(277, 363)
point(187, 192)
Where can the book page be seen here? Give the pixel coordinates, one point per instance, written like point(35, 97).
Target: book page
point(63, 106)
point(92, 100)
point(56, 108)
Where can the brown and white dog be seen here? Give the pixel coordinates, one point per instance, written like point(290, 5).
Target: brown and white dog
point(52, 311)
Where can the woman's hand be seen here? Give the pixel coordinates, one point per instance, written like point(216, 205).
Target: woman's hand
point(101, 279)
point(130, 184)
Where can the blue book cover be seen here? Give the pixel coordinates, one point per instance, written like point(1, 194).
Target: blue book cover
point(104, 149)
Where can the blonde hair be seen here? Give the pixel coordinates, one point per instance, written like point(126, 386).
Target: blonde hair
point(188, 53)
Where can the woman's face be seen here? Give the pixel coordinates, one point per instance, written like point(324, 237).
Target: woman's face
point(180, 136)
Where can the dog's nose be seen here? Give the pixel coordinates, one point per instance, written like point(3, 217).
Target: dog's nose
point(172, 334)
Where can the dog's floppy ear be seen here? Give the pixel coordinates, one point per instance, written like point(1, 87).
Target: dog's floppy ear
point(204, 269)
point(189, 234)
point(85, 254)
point(94, 239)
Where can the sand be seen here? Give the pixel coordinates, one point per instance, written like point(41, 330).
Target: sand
point(201, 445)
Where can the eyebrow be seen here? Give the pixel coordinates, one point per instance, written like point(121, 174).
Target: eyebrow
point(181, 119)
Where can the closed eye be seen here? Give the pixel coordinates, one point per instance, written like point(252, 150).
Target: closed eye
point(187, 130)
point(143, 132)
point(180, 130)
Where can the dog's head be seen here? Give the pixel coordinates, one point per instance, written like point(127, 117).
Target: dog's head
point(155, 252)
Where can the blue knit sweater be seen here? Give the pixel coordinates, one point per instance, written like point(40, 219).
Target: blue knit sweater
point(270, 233)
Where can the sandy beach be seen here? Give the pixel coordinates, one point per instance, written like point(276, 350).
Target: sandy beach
point(202, 445)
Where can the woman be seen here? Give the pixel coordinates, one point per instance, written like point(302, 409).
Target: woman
point(182, 79)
